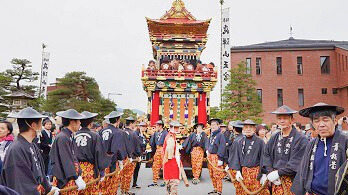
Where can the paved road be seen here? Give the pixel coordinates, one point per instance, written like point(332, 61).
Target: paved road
point(145, 178)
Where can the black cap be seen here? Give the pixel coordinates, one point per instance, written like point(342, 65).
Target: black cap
point(248, 122)
point(113, 114)
point(215, 119)
point(159, 122)
point(196, 125)
point(321, 106)
point(88, 114)
point(27, 113)
point(130, 119)
point(70, 114)
point(284, 110)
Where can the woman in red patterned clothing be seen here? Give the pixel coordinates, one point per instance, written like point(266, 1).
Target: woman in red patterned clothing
point(171, 159)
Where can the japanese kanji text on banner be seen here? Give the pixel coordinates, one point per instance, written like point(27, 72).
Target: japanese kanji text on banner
point(44, 74)
point(225, 49)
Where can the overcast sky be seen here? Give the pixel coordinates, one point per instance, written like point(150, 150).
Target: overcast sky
point(108, 39)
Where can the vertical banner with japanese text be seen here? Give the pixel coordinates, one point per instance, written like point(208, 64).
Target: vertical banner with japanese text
point(44, 74)
point(225, 50)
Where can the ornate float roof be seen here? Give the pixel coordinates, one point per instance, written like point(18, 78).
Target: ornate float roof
point(178, 21)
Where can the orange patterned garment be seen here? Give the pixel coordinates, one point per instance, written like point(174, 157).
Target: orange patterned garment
point(250, 181)
point(126, 175)
point(69, 184)
point(157, 163)
point(279, 190)
point(197, 155)
point(110, 184)
point(216, 175)
point(87, 176)
point(236, 184)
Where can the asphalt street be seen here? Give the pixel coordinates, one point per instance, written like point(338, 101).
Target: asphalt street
point(205, 186)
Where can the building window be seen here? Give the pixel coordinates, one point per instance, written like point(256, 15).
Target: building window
point(325, 64)
point(280, 97)
point(248, 65)
point(258, 66)
point(334, 90)
point(279, 65)
point(259, 93)
point(300, 97)
point(323, 90)
point(299, 65)
point(343, 62)
point(339, 61)
point(16, 102)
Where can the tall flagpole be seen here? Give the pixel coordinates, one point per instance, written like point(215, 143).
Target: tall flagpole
point(44, 72)
point(221, 88)
point(42, 57)
point(225, 66)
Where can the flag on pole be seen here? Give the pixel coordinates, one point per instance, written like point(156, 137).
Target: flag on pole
point(44, 74)
point(225, 65)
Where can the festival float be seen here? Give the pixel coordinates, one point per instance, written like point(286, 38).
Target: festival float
point(181, 93)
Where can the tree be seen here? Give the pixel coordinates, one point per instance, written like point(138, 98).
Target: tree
point(5, 83)
point(22, 72)
point(127, 113)
point(240, 100)
point(78, 91)
point(214, 111)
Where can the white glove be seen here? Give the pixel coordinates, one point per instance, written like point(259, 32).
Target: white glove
point(81, 185)
point(130, 160)
point(220, 163)
point(239, 176)
point(55, 189)
point(263, 179)
point(207, 152)
point(101, 179)
point(148, 151)
point(277, 182)
point(226, 168)
point(272, 176)
point(180, 147)
point(120, 164)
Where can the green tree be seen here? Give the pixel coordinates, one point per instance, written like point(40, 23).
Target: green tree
point(214, 111)
point(78, 91)
point(21, 71)
point(127, 113)
point(240, 100)
point(5, 83)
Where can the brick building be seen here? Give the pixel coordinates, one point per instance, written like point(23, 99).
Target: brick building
point(53, 86)
point(297, 73)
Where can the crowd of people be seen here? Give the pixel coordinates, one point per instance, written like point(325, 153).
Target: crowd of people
point(181, 65)
point(45, 159)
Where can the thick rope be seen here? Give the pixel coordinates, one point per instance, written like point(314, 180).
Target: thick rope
point(246, 190)
point(68, 189)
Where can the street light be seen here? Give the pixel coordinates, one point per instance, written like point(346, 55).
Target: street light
point(113, 94)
